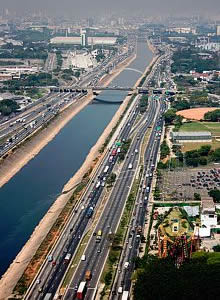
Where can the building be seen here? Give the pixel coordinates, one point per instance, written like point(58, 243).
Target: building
point(83, 35)
point(208, 215)
point(76, 40)
point(187, 137)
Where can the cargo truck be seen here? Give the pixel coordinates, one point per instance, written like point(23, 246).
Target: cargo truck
point(106, 169)
point(99, 236)
point(67, 257)
point(88, 275)
point(48, 296)
point(98, 184)
point(81, 291)
point(114, 152)
point(130, 166)
point(125, 295)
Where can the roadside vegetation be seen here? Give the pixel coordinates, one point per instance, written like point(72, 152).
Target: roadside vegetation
point(185, 60)
point(203, 270)
point(8, 106)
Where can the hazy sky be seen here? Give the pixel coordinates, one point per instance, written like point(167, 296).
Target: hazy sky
point(91, 7)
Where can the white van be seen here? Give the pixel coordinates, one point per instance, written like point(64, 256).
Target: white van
point(130, 166)
point(83, 258)
point(120, 290)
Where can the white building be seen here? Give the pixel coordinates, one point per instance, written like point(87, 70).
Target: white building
point(208, 215)
point(76, 40)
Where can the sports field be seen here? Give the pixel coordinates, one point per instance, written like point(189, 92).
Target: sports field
point(213, 127)
point(195, 113)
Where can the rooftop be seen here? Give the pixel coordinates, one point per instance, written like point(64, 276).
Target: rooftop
point(187, 133)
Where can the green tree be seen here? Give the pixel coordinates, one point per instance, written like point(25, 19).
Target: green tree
point(170, 116)
point(213, 116)
point(197, 196)
point(204, 150)
point(215, 194)
point(216, 248)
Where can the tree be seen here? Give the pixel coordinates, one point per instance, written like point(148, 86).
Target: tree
point(213, 116)
point(215, 194)
point(204, 150)
point(216, 155)
point(160, 279)
point(203, 161)
point(197, 196)
point(164, 150)
point(170, 116)
point(216, 248)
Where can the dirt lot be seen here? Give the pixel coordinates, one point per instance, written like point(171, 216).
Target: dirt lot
point(182, 184)
point(195, 113)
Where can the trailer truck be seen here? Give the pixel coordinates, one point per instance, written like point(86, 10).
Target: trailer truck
point(81, 290)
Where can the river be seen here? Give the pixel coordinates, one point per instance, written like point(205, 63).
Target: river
point(28, 195)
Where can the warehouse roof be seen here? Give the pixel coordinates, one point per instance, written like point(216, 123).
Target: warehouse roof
point(186, 133)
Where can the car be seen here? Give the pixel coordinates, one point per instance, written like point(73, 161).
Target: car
point(76, 288)
point(83, 258)
point(99, 251)
point(38, 281)
point(50, 258)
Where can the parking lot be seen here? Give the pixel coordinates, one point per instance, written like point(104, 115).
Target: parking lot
point(182, 184)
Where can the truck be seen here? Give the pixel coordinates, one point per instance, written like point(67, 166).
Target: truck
point(88, 275)
point(139, 229)
point(125, 295)
point(114, 152)
point(110, 158)
point(89, 212)
point(81, 290)
point(99, 236)
point(106, 169)
point(48, 296)
point(67, 257)
point(98, 184)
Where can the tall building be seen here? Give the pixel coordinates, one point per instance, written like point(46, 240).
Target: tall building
point(83, 35)
point(218, 29)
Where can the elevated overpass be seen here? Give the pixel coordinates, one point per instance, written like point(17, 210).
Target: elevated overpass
point(71, 89)
point(98, 100)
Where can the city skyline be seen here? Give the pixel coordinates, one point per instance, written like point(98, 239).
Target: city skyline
point(126, 7)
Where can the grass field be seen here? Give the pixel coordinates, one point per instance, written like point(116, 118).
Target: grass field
point(194, 146)
point(213, 127)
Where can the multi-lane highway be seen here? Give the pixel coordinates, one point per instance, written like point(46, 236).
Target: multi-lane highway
point(52, 272)
point(122, 281)
point(15, 130)
point(54, 268)
point(96, 253)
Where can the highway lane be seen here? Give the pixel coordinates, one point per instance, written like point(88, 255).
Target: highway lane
point(131, 247)
point(69, 241)
point(41, 118)
point(110, 217)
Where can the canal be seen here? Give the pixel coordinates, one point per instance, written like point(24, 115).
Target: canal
point(28, 195)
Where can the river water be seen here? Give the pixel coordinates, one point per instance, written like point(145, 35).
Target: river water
point(28, 195)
